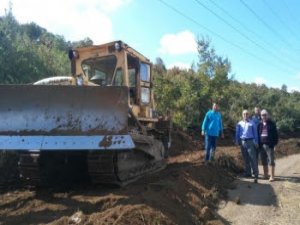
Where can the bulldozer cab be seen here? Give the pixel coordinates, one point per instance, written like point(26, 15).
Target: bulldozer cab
point(117, 64)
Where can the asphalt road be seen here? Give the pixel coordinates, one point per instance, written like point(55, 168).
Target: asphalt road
point(274, 203)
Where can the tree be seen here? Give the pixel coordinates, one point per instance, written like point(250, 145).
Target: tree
point(213, 73)
point(159, 66)
point(29, 52)
point(82, 43)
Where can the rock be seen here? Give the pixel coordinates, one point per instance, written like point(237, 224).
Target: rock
point(206, 213)
point(76, 218)
point(237, 200)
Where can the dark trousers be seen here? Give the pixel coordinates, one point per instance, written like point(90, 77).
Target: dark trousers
point(249, 155)
point(210, 147)
point(267, 155)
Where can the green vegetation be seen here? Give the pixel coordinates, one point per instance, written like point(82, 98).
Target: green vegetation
point(188, 94)
point(28, 53)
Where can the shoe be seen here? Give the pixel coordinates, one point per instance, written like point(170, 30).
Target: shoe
point(255, 179)
point(271, 179)
point(266, 177)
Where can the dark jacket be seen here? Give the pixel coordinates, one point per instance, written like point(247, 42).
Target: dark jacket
point(272, 133)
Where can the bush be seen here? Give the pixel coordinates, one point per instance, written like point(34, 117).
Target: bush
point(286, 124)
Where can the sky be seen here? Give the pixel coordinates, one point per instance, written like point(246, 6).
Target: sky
point(261, 38)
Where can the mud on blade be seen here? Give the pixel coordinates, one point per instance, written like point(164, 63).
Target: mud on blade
point(62, 117)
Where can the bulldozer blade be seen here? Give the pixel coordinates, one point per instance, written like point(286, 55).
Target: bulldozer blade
point(63, 117)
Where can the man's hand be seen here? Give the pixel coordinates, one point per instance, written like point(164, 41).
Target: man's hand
point(202, 132)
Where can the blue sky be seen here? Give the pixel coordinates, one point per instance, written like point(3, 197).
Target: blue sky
point(261, 38)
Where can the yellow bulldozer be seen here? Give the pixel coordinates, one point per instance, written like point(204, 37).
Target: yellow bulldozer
point(99, 124)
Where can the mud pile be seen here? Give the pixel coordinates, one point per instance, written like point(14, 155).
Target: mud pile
point(186, 192)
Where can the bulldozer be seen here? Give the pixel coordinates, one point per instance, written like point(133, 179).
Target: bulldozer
point(98, 124)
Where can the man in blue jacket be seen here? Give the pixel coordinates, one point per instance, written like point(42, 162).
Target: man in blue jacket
point(212, 128)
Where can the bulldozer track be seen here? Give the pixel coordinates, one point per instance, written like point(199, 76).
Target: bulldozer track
point(109, 174)
point(102, 168)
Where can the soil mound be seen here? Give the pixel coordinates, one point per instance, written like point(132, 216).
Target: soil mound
point(186, 192)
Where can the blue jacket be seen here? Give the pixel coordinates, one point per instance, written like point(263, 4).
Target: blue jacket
point(256, 120)
point(212, 123)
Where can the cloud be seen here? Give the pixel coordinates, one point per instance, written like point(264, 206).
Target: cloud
point(177, 44)
point(75, 19)
point(298, 76)
point(292, 89)
point(260, 80)
point(180, 65)
point(111, 5)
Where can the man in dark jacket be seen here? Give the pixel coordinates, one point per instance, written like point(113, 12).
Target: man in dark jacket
point(267, 140)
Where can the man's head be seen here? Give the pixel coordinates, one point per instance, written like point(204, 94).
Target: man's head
point(264, 115)
point(215, 107)
point(245, 114)
point(257, 110)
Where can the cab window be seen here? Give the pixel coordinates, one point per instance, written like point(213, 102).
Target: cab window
point(118, 81)
point(100, 70)
point(145, 72)
point(145, 95)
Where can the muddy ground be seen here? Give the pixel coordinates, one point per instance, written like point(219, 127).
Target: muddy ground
point(186, 192)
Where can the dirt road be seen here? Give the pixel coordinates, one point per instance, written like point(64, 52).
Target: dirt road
point(266, 203)
point(187, 192)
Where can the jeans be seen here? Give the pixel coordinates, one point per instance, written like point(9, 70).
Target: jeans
point(210, 147)
point(250, 158)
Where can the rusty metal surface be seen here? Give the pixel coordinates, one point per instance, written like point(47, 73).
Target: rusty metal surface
point(63, 110)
